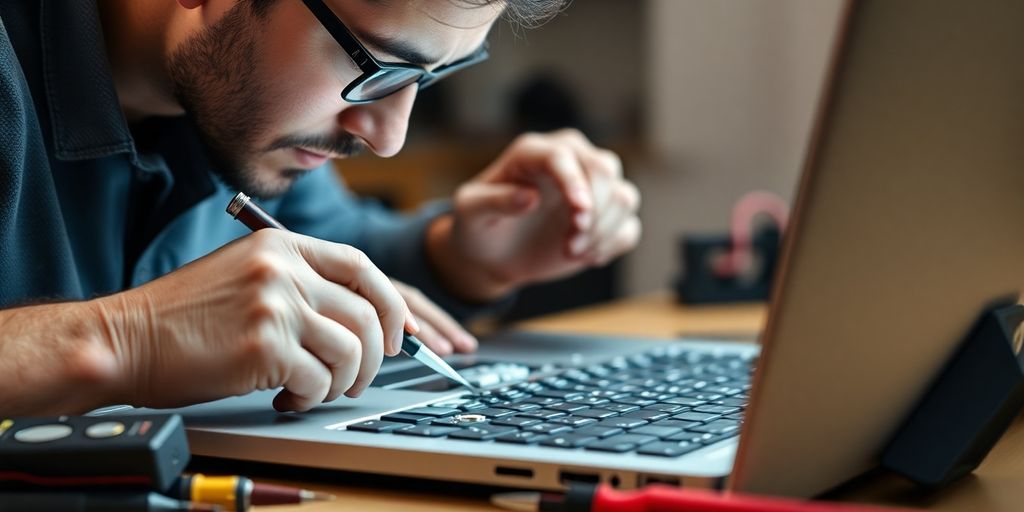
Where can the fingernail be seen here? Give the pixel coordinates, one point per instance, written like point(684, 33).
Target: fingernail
point(414, 326)
point(578, 244)
point(396, 346)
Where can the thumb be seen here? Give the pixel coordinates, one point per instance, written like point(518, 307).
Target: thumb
point(496, 199)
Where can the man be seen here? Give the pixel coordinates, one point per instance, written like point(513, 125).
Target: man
point(127, 127)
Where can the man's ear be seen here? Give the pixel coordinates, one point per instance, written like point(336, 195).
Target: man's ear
point(191, 4)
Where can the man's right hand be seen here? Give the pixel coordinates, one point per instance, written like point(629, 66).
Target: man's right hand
point(271, 309)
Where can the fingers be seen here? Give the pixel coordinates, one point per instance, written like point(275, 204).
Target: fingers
point(534, 154)
point(440, 331)
point(353, 318)
point(496, 198)
point(307, 385)
point(351, 360)
point(617, 230)
point(352, 269)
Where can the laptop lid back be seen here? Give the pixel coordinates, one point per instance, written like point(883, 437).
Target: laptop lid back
point(909, 219)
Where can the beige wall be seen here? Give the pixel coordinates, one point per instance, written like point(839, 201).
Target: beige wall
point(732, 85)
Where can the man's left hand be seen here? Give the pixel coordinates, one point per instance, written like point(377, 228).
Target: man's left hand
point(549, 206)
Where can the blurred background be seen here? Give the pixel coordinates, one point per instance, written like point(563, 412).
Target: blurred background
point(704, 100)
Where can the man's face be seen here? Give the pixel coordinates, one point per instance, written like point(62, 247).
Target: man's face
point(265, 91)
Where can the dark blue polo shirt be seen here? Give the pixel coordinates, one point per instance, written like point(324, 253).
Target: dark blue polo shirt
point(86, 210)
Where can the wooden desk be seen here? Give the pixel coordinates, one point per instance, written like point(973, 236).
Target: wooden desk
point(995, 486)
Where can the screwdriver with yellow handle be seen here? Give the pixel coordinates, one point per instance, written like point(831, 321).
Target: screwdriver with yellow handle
point(238, 493)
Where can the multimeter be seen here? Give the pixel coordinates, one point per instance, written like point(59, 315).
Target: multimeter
point(144, 452)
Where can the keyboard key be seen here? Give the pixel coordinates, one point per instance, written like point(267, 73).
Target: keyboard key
point(436, 412)
point(401, 417)
point(668, 449)
point(494, 412)
point(632, 400)
point(599, 431)
point(574, 421)
point(375, 426)
point(656, 431)
point(549, 428)
point(590, 400)
point(735, 416)
point(684, 400)
point(595, 413)
point(543, 414)
point(647, 415)
point(707, 397)
point(717, 409)
point(621, 408)
point(519, 407)
point(669, 408)
point(480, 432)
point(567, 407)
point(708, 439)
point(425, 430)
point(568, 441)
point(515, 421)
point(559, 393)
point(620, 443)
point(672, 422)
point(716, 427)
point(543, 401)
point(696, 416)
point(521, 437)
point(621, 422)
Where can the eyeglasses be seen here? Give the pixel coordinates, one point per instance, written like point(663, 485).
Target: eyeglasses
point(380, 79)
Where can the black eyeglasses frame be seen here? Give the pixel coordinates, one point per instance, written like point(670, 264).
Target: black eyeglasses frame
point(371, 67)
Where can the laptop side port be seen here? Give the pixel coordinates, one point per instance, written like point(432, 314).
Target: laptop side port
point(510, 471)
point(659, 479)
point(565, 477)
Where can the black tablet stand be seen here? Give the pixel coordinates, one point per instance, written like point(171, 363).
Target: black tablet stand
point(969, 406)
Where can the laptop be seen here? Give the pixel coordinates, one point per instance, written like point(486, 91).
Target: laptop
point(908, 221)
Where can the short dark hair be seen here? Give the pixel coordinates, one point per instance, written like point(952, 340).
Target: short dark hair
point(526, 13)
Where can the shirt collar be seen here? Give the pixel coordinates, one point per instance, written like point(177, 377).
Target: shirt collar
point(84, 110)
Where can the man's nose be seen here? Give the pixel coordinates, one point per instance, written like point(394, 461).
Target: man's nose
point(383, 123)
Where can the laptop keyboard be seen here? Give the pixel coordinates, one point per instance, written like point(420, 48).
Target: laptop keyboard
point(666, 402)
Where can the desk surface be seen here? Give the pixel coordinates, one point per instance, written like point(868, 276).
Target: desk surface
point(995, 486)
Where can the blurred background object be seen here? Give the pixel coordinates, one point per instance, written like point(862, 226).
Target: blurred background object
point(703, 99)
